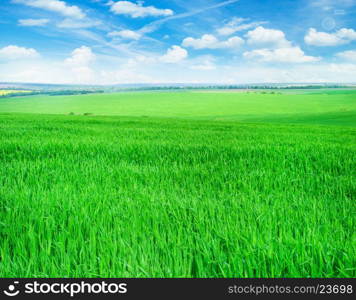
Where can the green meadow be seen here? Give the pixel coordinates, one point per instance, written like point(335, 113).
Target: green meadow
point(178, 184)
point(334, 107)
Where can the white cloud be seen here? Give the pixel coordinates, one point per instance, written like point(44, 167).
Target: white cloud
point(33, 22)
point(273, 46)
point(57, 6)
point(78, 24)
point(79, 64)
point(81, 56)
point(316, 38)
point(284, 55)
point(267, 38)
point(137, 10)
point(209, 41)
point(174, 54)
point(125, 34)
point(340, 37)
point(12, 52)
point(347, 55)
point(237, 24)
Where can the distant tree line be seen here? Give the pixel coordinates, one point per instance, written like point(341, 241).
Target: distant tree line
point(73, 92)
point(231, 87)
point(167, 88)
point(51, 93)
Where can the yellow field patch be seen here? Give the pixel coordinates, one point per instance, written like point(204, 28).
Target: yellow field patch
point(8, 92)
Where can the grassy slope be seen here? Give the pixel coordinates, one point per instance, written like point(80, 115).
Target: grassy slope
point(124, 196)
point(218, 106)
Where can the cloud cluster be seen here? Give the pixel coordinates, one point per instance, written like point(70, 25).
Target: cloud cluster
point(270, 45)
point(274, 47)
point(137, 10)
point(78, 68)
point(57, 6)
point(209, 41)
point(340, 37)
point(13, 52)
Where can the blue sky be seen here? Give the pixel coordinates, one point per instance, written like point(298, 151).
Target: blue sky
point(177, 41)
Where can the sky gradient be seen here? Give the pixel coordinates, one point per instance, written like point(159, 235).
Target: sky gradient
point(177, 41)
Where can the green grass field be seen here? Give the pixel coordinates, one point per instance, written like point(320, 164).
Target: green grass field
point(178, 185)
point(323, 107)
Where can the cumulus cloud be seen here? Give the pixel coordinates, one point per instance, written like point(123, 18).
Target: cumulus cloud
point(79, 64)
point(12, 52)
point(137, 10)
point(273, 46)
point(347, 55)
point(174, 54)
point(284, 55)
point(60, 7)
point(33, 22)
point(237, 24)
point(267, 38)
point(81, 56)
point(75, 69)
point(340, 37)
point(126, 34)
point(209, 41)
